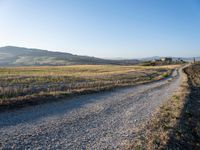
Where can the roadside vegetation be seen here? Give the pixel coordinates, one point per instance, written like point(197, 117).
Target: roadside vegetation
point(20, 85)
point(188, 127)
point(175, 125)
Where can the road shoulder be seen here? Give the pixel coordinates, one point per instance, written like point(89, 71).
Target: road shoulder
point(155, 133)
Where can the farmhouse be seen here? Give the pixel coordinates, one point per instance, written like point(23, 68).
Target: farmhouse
point(162, 61)
point(166, 60)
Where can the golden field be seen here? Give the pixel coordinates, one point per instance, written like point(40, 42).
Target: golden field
point(25, 83)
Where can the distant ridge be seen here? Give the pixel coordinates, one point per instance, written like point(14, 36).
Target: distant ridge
point(20, 56)
point(188, 59)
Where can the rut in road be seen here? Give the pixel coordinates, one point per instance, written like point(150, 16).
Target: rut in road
point(96, 121)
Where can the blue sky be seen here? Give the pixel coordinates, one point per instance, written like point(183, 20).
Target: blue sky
point(103, 28)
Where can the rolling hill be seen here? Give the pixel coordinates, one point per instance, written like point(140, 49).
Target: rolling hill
point(19, 56)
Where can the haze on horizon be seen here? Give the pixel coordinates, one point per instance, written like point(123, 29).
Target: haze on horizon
point(103, 28)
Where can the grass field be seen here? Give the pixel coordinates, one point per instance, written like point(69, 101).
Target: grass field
point(27, 83)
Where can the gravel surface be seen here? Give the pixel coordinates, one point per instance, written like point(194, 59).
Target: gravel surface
point(104, 120)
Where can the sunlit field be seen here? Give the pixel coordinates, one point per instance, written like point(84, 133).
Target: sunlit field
point(26, 83)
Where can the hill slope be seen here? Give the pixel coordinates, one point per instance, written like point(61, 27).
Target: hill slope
point(18, 56)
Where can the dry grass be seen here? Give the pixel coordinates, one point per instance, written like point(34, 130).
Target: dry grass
point(175, 125)
point(25, 83)
point(186, 134)
point(155, 134)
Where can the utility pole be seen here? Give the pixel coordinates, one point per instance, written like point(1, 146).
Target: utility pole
point(194, 60)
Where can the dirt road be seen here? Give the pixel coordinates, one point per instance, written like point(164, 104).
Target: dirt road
point(96, 121)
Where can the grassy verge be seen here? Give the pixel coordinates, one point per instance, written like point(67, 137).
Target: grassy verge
point(28, 85)
point(155, 134)
point(187, 135)
point(175, 125)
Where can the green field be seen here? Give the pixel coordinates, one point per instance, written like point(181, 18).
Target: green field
point(25, 83)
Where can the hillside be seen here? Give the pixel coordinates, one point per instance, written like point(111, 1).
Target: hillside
point(18, 56)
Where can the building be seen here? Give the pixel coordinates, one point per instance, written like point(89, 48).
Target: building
point(162, 61)
point(166, 60)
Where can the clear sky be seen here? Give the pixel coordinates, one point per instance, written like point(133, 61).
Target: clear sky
point(103, 28)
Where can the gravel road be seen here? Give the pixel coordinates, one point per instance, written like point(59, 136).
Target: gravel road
point(104, 120)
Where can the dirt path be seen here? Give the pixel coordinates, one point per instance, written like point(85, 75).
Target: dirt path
point(96, 121)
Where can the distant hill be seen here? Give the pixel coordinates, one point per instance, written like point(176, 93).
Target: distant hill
point(150, 58)
point(188, 59)
point(19, 56)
